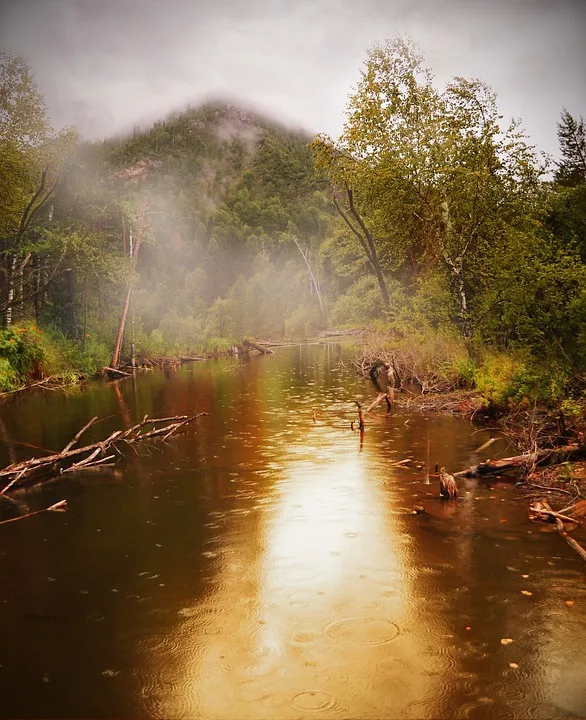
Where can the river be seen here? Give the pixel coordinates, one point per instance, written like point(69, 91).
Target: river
point(266, 563)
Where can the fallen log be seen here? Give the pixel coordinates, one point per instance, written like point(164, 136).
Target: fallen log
point(255, 346)
point(342, 333)
point(45, 381)
point(115, 372)
point(72, 459)
point(546, 509)
point(541, 457)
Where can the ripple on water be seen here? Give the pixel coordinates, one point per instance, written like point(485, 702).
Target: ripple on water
point(257, 645)
point(486, 707)
point(165, 698)
point(440, 662)
point(304, 637)
point(545, 711)
point(315, 701)
point(363, 631)
point(475, 649)
point(257, 690)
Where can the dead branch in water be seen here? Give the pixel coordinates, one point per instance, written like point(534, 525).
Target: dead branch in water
point(72, 459)
point(115, 372)
point(247, 344)
point(543, 508)
point(48, 383)
point(380, 397)
point(529, 460)
point(58, 506)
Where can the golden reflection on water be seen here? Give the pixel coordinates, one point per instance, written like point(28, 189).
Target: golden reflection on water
point(316, 619)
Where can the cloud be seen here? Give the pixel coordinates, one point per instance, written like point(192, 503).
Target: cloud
point(104, 66)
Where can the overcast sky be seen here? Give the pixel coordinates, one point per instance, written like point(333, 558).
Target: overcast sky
point(105, 65)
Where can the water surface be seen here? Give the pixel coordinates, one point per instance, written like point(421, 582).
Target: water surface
point(267, 564)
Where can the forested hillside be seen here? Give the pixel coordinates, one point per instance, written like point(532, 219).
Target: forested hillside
point(226, 204)
point(430, 219)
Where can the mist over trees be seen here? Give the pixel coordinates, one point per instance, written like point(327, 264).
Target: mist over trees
point(429, 214)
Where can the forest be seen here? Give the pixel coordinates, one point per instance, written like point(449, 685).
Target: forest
point(431, 222)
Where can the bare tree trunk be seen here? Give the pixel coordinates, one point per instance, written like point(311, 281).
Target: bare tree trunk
point(36, 287)
point(84, 339)
point(314, 281)
point(10, 291)
point(118, 344)
point(73, 329)
point(456, 267)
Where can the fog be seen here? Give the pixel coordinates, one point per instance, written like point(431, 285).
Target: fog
point(106, 66)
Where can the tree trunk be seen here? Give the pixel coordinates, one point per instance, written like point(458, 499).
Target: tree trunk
point(314, 281)
point(10, 291)
point(36, 287)
point(367, 242)
point(463, 301)
point(118, 344)
point(456, 267)
point(541, 457)
point(73, 329)
point(84, 339)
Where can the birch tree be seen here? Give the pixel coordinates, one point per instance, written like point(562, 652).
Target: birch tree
point(435, 175)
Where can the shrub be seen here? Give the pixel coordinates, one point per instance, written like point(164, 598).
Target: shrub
point(303, 323)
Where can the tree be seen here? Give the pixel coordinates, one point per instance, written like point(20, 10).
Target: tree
point(32, 156)
point(572, 137)
point(429, 175)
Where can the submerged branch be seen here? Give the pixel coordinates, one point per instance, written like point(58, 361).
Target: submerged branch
point(72, 459)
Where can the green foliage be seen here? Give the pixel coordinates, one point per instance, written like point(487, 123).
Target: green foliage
point(572, 136)
point(443, 236)
point(29, 353)
point(23, 348)
point(432, 174)
point(8, 375)
point(304, 323)
point(507, 380)
point(359, 304)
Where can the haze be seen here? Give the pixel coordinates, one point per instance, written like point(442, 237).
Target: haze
point(106, 66)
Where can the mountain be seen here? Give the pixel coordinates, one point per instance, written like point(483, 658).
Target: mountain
point(226, 191)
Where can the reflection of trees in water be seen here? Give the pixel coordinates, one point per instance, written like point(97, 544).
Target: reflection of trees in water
point(8, 445)
point(261, 530)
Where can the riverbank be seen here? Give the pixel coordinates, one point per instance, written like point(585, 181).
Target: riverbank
point(510, 395)
point(258, 513)
point(32, 356)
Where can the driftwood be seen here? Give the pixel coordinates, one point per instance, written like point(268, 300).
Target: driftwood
point(45, 381)
point(72, 459)
point(115, 372)
point(550, 513)
point(342, 333)
point(48, 383)
point(247, 344)
point(380, 397)
point(544, 508)
point(58, 507)
point(541, 457)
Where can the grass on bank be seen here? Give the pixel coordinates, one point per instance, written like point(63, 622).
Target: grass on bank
point(29, 353)
point(439, 360)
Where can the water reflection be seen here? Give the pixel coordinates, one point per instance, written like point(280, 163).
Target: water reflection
point(266, 564)
point(315, 606)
